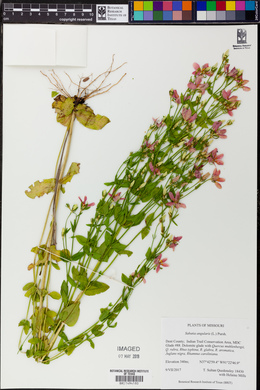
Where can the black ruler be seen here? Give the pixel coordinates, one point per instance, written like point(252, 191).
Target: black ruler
point(48, 13)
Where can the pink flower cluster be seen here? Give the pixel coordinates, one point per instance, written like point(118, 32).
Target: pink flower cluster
point(198, 85)
point(231, 102)
point(186, 114)
point(221, 133)
point(175, 201)
point(204, 70)
point(154, 170)
point(237, 76)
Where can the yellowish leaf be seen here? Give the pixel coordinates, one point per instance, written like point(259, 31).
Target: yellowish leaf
point(73, 170)
point(41, 188)
point(87, 118)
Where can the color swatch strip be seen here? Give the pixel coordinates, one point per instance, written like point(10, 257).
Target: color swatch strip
point(162, 11)
point(225, 10)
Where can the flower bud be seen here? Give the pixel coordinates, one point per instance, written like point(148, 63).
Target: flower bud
point(74, 207)
point(204, 177)
point(230, 122)
point(63, 232)
point(133, 182)
point(104, 192)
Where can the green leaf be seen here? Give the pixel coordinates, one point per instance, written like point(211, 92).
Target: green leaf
point(105, 313)
point(28, 286)
point(118, 307)
point(51, 313)
point(103, 208)
point(73, 170)
point(54, 93)
point(64, 292)
point(70, 349)
point(34, 340)
point(108, 238)
point(97, 330)
point(31, 291)
point(126, 280)
point(87, 118)
point(96, 288)
point(149, 220)
point(63, 336)
point(144, 232)
point(70, 314)
point(91, 342)
point(77, 256)
point(55, 265)
point(102, 253)
point(55, 295)
point(71, 281)
point(40, 188)
point(134, 220)
point(81, 240)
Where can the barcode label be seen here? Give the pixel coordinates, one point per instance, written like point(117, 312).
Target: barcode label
point(129, 378)
point(123, 377)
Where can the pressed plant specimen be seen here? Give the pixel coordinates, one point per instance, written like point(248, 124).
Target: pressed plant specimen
point(143, 202)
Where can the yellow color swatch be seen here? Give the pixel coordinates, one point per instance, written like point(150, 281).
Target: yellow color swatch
point(230, 5)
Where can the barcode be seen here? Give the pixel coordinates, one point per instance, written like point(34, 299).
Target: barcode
point(129, 378)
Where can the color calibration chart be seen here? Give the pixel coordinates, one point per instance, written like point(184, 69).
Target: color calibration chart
point(185, 11)
point(226, 10)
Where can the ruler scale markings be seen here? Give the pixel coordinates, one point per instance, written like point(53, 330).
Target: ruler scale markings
point(164, 11)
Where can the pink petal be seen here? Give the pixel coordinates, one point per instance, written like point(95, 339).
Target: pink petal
point(171, 196)
point(196, 66)
point(191, 86)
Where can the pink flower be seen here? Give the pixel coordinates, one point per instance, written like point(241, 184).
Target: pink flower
point(175, 96)
point(175, 242)
point(231, 101)
point(186, 114)
point(151, 146)
point(219, 132)
point(198, 85)
point(202, 70)
point(214, 158)
point(133, 274)
point(84, 203)
point(175, 201)
point(241, 83)
point(189, 145)
point(216, 125)
point(233, 73)
point(226, 95)
point(159, 262)
point(155, 170)
point(216, 179)
point(197, 171)
point(115, 197)
point(158, 123)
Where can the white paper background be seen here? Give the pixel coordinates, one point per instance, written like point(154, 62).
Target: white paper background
point(211, 273)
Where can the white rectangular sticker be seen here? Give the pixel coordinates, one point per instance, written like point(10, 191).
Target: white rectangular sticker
point(208, 354)
point(129, 377)
point(112, 13)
